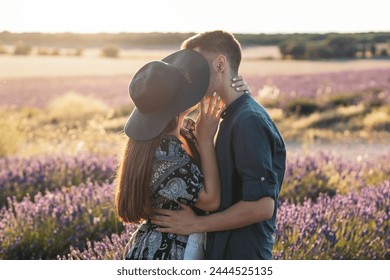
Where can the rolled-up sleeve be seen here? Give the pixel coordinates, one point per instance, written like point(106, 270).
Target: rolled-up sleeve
point(253, 146)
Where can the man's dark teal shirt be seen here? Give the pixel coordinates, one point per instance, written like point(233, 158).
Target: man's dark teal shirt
point(252, 160)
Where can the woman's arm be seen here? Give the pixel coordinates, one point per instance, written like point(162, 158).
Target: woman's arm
point(206, 127)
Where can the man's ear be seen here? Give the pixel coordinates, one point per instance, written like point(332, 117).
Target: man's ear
point(220, 63)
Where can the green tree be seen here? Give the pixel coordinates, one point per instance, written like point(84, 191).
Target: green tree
point(373, 50)
point(319, 50)
point(384, 52)
point(295, 49)
point(343, 46)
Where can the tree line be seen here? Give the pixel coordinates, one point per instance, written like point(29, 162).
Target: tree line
point(296, 46)
point(336, 46)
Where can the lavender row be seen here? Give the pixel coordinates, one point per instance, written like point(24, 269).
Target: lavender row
point(19, 176)
point(306, 176)
point(57, 220)
point(47, 224)
point(354, 226)
point(316, 86)
point(109, 248)
point(340, 227)
point(309, 176)
point(38, 92)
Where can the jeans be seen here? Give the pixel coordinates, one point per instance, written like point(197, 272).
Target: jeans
point(195, 248)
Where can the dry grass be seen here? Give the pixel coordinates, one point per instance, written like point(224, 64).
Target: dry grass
point(276, 114)
point(379, 119)
point(74, 124)
point(338, 114)
point(12, 134)
point(73, 106)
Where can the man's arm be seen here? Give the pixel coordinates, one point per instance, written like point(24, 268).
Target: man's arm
point(239, 215)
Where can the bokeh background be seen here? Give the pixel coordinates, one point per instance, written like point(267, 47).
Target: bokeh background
point(321, 71)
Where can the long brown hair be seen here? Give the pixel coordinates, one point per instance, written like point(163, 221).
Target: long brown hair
point(133, 189)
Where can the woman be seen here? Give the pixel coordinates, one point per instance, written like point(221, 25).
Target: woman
point(164, 165)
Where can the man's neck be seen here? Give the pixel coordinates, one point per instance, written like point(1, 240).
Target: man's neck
point(230, 95)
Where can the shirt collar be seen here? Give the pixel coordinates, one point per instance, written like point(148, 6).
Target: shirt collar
point(234, 106)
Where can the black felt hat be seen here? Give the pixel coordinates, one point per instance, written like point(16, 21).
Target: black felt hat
point(161, 90)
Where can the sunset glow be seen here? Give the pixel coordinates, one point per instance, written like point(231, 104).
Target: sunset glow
point(244, 16)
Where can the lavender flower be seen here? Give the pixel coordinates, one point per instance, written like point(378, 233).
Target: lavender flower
point(309, 176)
point(353, 226)
point(57, 220)
point(318, 86)
point(19, 176)
point(346, 217)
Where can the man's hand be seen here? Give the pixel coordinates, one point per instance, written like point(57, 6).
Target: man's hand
point(176, 221)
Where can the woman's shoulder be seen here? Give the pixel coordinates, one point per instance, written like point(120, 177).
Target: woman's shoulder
point(170, 148)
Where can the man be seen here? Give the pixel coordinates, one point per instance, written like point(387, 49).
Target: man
point(252, 157)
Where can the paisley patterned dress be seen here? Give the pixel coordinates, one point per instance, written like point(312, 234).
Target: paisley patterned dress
point(176, 178)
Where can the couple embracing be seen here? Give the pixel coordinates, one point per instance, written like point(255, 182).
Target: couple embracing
point(198, 193)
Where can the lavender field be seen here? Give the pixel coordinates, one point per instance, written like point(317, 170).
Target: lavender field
point(61, 138)
point(39, 91)
point(344, 214)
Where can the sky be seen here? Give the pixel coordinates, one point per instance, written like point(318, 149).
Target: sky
point(239, 16)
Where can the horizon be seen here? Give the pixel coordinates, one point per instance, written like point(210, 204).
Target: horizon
point(189, 32)
point(175, 16)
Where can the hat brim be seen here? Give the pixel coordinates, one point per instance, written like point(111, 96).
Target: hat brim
point(144, 127)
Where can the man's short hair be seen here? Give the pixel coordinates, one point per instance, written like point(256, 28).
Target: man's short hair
point(217, 42)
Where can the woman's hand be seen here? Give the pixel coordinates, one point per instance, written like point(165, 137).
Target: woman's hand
point(240, 85)
point(208, 119)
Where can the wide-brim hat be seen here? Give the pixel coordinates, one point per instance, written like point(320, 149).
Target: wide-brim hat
point(161, 90)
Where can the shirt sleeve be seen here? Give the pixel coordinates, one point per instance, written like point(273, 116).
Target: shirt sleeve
point(253, 146)
point(183, 184)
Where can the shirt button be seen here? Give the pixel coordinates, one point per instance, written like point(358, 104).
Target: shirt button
point(262, 178)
